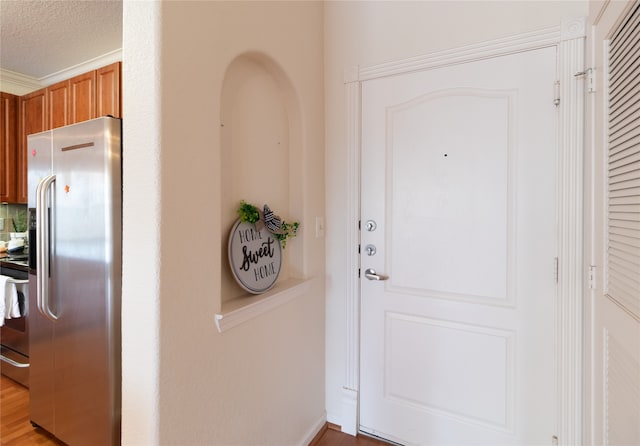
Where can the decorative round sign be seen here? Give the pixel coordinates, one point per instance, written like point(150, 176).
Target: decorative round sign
point(255, 257)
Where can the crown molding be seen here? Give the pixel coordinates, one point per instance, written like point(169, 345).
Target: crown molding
point(20, 84)
point(91, 64)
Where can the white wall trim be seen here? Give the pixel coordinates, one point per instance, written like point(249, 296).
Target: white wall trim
point(570, 230)
point(572, 29)
point(246, 308)
point(22, 84)
point(352, 257)
point(314, 430)
point(91, 64)
point(350, 421)
point(498, 47)
point(349, 401)
point(569, 37)
point(17, 83)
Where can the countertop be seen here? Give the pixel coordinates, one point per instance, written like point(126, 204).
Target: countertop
point(8, 262)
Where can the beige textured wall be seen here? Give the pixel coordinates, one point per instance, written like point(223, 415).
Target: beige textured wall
point(183, 382)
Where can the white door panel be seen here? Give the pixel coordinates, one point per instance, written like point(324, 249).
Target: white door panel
point(458, 172)
point(464, 193)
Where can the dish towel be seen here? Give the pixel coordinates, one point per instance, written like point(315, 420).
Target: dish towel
point(9, 305)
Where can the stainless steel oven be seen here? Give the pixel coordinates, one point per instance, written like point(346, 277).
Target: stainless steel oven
point(14, 334)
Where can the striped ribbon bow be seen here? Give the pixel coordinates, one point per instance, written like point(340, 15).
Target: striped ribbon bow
point(271, 221)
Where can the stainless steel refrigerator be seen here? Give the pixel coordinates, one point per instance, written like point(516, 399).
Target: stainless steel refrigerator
point(75, 203)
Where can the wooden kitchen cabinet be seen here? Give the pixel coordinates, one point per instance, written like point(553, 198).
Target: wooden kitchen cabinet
point(108, 92)
point(58, 104)
point(72, 101)
point(8, 146)
point(82, 97)
point(32, 118)
point(87, 96)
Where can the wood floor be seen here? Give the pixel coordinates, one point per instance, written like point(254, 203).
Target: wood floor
point(331, 436)
point(16, 429)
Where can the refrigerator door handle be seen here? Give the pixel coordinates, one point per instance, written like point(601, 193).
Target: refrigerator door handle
point(42, 247)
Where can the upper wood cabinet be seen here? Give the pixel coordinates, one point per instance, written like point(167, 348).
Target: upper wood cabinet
point(72, 101)
point(8, 146)
point(83, 97)
point(108, 91)
point(57, 105)
point(32, 118)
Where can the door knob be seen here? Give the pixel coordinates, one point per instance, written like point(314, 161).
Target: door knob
point(371, 274)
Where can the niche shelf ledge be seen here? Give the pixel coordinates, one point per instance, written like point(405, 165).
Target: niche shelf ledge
point(245, 308)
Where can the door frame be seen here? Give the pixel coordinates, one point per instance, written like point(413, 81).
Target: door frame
point(569, 39)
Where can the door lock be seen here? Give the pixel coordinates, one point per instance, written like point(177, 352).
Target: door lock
point(371, 250)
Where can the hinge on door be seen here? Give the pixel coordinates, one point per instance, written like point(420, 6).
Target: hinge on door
point(590, 78)
point(555, 269)
point(556, 93)
point(358, 273)
point(592, 277)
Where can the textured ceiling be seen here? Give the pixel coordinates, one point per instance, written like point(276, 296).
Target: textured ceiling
point(41, 37)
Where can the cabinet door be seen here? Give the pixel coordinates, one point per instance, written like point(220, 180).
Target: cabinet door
point(32, 119)
point(82, 103)
point(108, 96)
point(8, 146)
point(58, 104)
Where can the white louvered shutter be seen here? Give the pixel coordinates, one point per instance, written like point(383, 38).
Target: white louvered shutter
point(623, 251)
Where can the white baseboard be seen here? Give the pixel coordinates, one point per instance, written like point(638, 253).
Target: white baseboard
point(311, 433)
point(349, 411)
point(335, 419)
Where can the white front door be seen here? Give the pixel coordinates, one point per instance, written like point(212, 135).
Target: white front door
point(613, 383)
point(458, 203)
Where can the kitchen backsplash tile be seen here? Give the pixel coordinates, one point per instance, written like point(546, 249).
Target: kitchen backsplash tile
point(10, 213)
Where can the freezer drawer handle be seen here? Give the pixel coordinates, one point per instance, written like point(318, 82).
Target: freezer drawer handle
point(12, 362)
point(42, 247)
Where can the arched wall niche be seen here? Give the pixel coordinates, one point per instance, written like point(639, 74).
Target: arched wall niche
point(261, 155)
